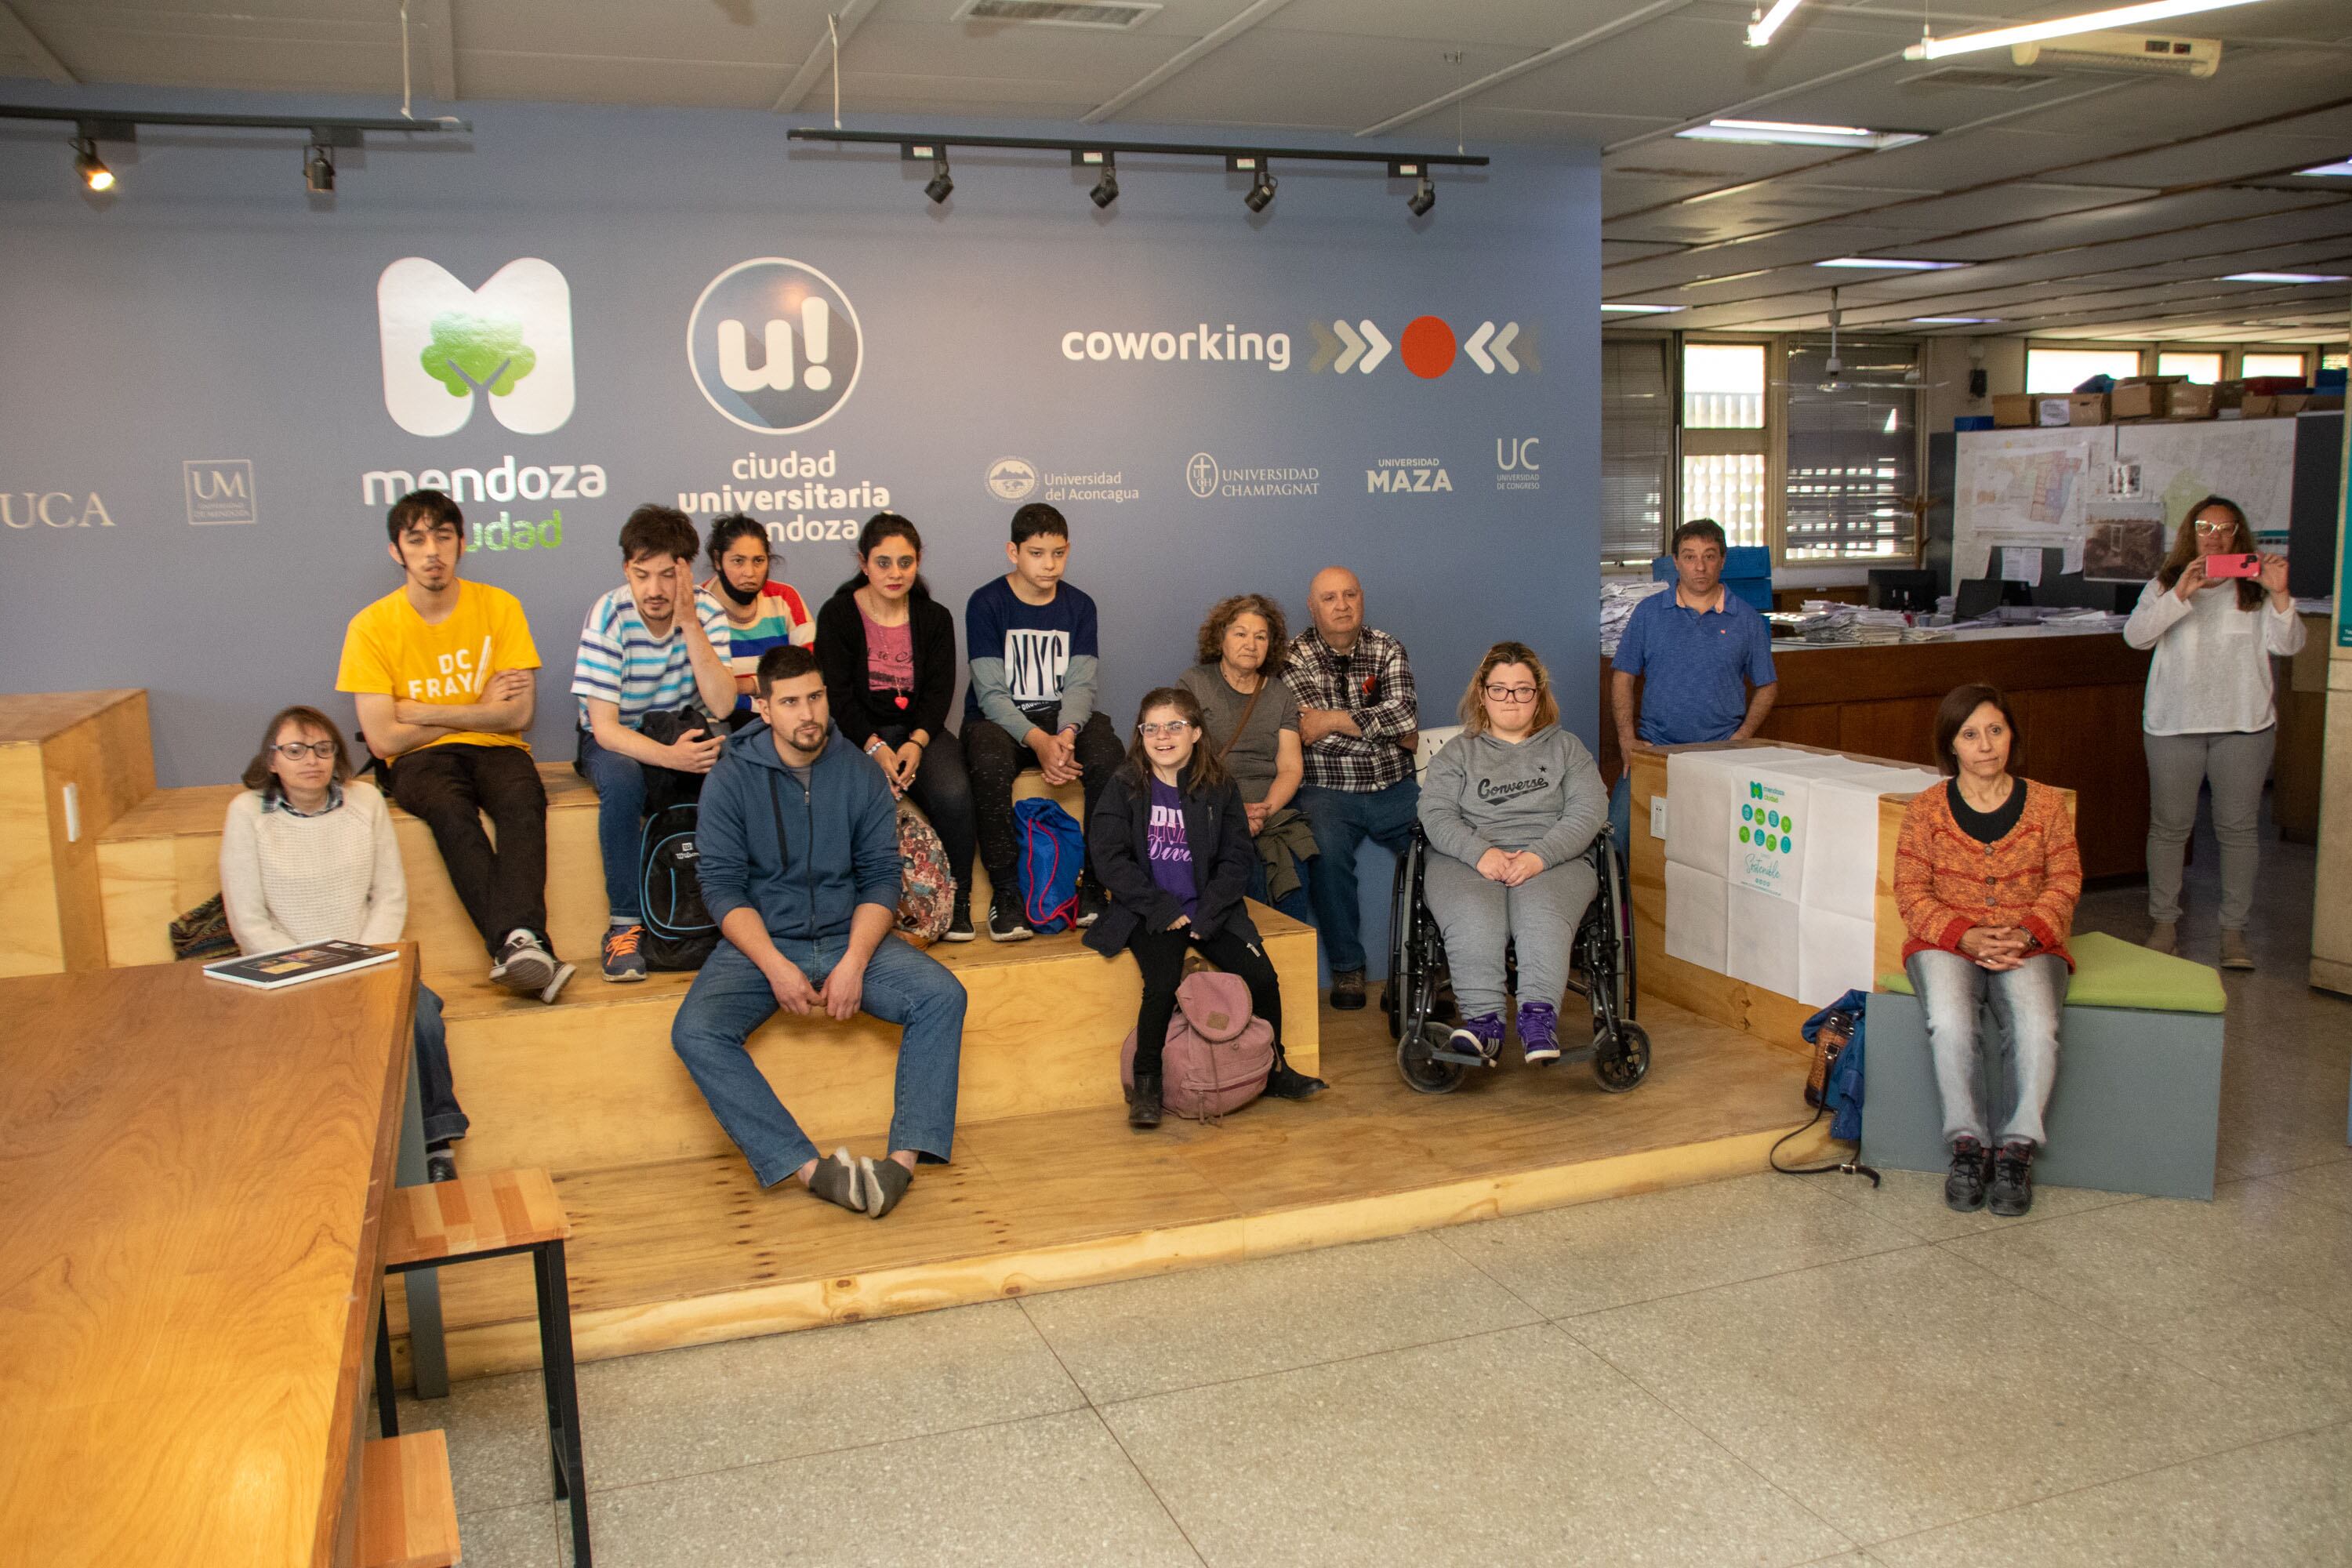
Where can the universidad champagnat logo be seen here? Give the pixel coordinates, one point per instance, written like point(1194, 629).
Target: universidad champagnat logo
point(775, 345)
point(446, 347)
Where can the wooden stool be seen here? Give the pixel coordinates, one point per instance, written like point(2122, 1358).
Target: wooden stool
point(408, 1514)
point(475, 1217)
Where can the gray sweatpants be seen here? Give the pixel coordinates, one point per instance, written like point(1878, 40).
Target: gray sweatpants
point(2235, 763)
point(1477, 916)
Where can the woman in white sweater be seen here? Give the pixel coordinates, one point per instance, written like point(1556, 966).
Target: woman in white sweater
point(2208, 716)
point(307, 854)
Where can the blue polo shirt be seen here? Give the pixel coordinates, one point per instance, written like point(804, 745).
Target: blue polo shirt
point(1696, 663)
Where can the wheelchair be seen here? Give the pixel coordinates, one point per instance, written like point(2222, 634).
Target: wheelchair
point(1417, 998)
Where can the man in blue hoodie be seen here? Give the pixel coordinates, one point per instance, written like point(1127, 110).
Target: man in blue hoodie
point(799, 844)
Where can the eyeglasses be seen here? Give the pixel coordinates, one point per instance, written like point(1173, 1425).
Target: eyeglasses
point(2224, 526)
point(1511, 694)
point(294, 751)
point(1153, 732)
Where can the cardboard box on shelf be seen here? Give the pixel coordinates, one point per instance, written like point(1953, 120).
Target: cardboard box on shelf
point(2014, 410)
point(2086, 408)
point(2262, 406)
point(2190, 401)
point(2143, 397)
point(2228, 393)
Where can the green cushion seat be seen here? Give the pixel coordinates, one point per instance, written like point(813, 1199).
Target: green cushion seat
point(2112, 973)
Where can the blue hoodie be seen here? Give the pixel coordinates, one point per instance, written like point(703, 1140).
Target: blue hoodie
point(804, 858)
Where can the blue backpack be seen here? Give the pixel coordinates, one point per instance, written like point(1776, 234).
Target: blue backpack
point(1052, 851)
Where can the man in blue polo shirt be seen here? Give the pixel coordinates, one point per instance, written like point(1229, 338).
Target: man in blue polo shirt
point(1706, 658)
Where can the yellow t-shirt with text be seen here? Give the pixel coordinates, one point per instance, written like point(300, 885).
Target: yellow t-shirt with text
point(390, 650)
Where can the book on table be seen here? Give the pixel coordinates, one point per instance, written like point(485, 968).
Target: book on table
point(293, 965)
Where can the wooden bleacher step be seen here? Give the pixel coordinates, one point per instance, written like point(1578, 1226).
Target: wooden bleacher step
point(408, 1509)
point(450, 1221)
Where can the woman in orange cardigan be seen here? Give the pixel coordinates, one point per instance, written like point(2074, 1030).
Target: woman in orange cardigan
point(1985, 878)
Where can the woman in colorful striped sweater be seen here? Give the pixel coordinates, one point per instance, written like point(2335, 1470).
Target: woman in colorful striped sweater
point(1986, 878)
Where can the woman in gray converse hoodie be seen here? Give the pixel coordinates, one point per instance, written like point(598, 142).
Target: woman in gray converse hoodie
point(1509, 806)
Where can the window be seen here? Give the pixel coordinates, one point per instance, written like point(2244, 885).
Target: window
point(2255, 362)
point(1637, 444)
point(1852, 452)
point(2200, 367)
point(2334, 359)
point(2062, 370)
point(1726, 445)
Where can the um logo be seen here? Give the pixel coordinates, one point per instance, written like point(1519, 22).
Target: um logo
point(220, 489)
point(775, 345)
point(508, 341)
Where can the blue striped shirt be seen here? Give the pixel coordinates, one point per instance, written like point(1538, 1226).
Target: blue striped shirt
point(623, 663)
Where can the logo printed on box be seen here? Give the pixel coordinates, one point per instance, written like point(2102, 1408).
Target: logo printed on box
point(509, 341)
point(220, 489)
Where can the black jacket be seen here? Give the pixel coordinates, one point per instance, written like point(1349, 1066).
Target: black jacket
point(1217, 831)
point(858, 709)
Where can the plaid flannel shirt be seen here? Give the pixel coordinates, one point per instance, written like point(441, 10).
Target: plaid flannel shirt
point(1374, 682)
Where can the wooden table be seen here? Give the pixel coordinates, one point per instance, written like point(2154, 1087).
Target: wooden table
point(194, 1173)
point(2077, 697)
point(70, 763)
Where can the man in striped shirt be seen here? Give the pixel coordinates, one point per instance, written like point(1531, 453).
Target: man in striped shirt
point(654, 645)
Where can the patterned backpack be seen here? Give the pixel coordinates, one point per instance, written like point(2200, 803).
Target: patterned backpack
point(926, 889)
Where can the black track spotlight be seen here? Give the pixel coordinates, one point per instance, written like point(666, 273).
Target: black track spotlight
point(1106, 189)
point(942, 184)
point(1261, 194)
point(1421, 201)
point(91, 166)
point(319, 170)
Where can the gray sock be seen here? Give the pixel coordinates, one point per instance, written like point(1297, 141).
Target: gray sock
point(886, 1182)
point(836, 1181)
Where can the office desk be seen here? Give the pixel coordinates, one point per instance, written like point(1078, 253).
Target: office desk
point(192, 1174)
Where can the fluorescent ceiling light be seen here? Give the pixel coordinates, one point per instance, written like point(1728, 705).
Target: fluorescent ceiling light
point(1891, 265)
point(1760, 32)
point(2065, 27)
point(1710, 282)
point(2286, 277)
point(1958, 321)
point(2343, 168)
point(1639, 310)
point(1784, 133)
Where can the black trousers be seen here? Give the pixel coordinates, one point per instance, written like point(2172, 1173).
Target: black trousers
point(1160, 956)
point(452, 787)
point(995, 759)
point(943, 789)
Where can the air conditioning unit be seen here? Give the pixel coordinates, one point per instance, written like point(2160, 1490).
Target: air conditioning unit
point(2126, 52)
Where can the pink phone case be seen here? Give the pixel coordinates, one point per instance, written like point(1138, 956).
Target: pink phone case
point(2234, 565)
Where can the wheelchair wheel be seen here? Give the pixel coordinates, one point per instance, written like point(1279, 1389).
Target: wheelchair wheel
point(1622, 1059)
point(1422, 1072)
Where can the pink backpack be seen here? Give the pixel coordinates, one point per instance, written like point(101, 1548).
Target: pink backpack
point(1218, 1054)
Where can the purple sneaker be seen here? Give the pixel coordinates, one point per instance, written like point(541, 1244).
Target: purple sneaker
point(1539, 1032)
point(1482, 1033)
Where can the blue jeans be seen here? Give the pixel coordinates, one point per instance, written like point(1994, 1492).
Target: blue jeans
point(436, 1091)
point(620, 784)
point(1299, 906)
point(1342, 820)
point(731, 998)
point(2025, 1004)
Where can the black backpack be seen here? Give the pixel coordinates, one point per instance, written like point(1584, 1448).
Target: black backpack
point(679, 931)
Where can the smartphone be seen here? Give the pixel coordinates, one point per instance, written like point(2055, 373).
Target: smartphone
point(2234, 565)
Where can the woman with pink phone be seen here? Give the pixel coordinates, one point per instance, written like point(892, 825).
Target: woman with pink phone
point(2215, 613)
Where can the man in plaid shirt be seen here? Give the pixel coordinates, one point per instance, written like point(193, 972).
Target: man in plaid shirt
point(1358, 721)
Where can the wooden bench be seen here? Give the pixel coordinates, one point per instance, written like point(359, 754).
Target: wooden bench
point(408, 1510)
point(480, 1217)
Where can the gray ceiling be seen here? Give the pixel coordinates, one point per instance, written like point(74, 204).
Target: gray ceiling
point(2086, 206)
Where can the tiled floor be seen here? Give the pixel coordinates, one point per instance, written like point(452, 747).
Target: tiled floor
point(1762, 1370)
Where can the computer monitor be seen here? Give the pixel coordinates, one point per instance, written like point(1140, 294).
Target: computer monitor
point(1976, 596)
point(1894, 589)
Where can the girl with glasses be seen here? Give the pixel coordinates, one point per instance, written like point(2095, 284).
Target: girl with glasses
point(307, 854)
point(2208, 716)
point(1509, 807)
point(1170, 840)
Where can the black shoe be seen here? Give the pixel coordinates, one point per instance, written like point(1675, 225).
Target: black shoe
point(960, 923)
point(1143, 1101)
point(1348, 990)
point(1964, 1189)
point(2012, 1178)
point(1286, 1082)
point(1091, 903)
point(440, 1165)
point(1006, 921)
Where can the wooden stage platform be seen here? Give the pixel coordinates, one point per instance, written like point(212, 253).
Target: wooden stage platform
point(691, 1251)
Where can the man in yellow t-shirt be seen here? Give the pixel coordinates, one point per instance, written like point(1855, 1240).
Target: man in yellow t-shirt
point(442, 672)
